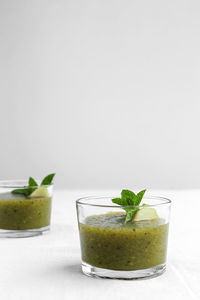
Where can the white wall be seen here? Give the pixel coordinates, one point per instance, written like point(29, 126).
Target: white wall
point(106, 93)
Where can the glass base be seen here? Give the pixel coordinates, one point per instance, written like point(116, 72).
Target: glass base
point(5, 233)
point(127, 275)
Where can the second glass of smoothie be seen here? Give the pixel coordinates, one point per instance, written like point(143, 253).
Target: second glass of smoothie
point(22, 215)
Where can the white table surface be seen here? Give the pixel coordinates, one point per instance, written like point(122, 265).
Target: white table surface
point(48, 266)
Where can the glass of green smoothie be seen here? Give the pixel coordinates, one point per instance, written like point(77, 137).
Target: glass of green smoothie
point(25, 207)
point(123, 242)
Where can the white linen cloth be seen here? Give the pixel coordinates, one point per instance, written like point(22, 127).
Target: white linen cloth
point(48, 266)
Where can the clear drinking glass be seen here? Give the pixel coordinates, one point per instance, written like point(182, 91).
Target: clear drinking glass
point(24, 216)
point(112, 249)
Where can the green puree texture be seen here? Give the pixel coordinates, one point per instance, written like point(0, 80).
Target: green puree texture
point(106, 242)
point(18, 212)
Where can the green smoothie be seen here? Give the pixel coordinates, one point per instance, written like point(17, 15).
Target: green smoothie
point(108, 242)
point(18, 212)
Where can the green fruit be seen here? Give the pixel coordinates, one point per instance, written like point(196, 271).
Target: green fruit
point(145, 213)
point(41, 192)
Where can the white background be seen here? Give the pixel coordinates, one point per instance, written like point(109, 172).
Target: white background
point(105, 93)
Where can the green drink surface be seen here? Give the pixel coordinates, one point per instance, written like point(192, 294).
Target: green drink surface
point(18, 212)
point(106, 242)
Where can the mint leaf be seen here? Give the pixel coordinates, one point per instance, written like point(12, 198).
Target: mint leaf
point(129, 198)
point(140, 195)
point(48, 179)
point(26, 191)
point(118, 201)
point(32, 182)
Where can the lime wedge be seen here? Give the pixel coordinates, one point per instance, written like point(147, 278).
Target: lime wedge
point(40, 192)
point(145, 213)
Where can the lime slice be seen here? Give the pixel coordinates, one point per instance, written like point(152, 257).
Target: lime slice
point(40, 192)
point(145, 213)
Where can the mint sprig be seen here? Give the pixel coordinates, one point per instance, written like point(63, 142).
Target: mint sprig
point(129, 198)
point(32, 185)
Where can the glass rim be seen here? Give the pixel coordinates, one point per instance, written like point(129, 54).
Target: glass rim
point(19, 183)
point(163, 199)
